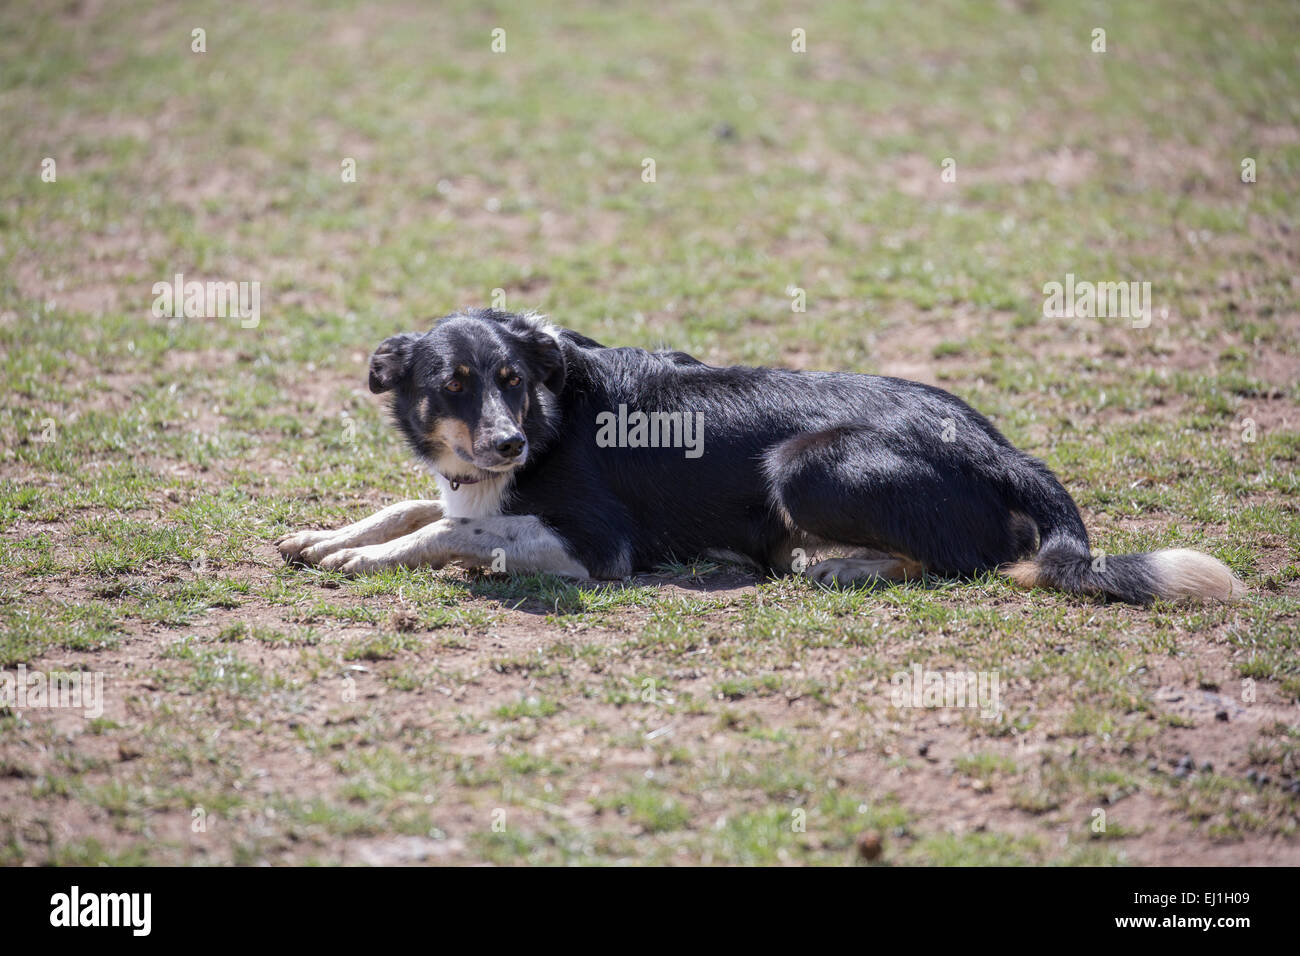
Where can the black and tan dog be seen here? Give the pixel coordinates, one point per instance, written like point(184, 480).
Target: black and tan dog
point(554, 453)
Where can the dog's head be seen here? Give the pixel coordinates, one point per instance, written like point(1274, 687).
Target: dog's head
point(468, 395)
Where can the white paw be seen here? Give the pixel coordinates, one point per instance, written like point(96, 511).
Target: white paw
point(347, 561)
point(322, 549)
point(292, 546)
point(360, 560)
point(843, 572)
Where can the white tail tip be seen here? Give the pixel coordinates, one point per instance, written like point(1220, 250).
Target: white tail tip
point(1182, 573)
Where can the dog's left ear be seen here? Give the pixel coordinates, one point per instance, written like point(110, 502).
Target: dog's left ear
point(391, 361)
point(544, 355)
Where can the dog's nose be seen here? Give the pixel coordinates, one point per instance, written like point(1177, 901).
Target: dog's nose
point(510, 447)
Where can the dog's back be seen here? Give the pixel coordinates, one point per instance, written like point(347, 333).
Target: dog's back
point(790, 460)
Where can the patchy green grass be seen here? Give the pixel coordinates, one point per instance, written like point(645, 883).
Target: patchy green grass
point(257, 713)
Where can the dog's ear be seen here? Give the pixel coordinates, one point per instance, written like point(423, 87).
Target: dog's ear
point(547, 359)
point(542, 350)
point(391, 361)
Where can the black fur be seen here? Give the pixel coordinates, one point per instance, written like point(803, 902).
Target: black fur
point(789, 458)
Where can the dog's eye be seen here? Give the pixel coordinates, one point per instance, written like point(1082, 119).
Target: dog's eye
point(513, 381)
point(454, 385)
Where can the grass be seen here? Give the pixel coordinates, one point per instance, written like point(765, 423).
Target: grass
point(697, 714)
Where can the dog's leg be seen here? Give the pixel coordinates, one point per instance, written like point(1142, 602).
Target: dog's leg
point(844, 572)
point(392, 522)
point(519, 543)
point(915, 497)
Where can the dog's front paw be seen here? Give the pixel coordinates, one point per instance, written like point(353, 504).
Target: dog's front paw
point(357, 560)
point(292, 547)
point(317, 552)
point(375, 557)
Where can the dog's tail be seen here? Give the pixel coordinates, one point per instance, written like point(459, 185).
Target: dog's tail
point(1065, 561)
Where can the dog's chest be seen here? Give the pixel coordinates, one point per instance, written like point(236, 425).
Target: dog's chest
point(482, 499)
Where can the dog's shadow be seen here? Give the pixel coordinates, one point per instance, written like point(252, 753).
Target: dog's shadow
point(550, 595)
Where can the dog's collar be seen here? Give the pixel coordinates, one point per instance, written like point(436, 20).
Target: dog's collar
point(457, 482)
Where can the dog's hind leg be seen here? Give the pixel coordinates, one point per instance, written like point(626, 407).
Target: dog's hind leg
point(395, 521)
point(917, 501)
point(844, 572)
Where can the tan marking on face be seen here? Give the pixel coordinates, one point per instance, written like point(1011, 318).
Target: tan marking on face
point(462, 371)
point(453, 434)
